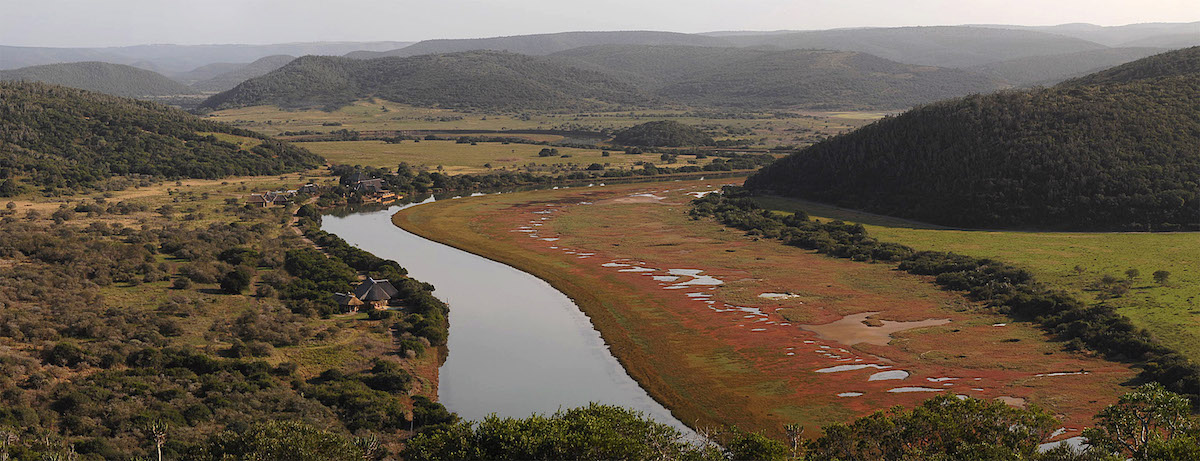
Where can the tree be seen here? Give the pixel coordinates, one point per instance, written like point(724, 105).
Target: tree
point(236, 281)
point(1149, 417)
point(591, 432)
point(943, 427)
point(1162, 277)
point(1132, 273)
point(282, 440)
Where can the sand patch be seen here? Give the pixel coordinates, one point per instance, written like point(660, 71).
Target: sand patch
point(1012, 401)
point(778, 296)
point(853, 329)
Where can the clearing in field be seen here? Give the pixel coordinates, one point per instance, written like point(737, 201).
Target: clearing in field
point(455, 158)
point(727, 329)
point(1075, 261)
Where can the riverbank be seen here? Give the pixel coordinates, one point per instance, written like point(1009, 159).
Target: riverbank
point(725, 354)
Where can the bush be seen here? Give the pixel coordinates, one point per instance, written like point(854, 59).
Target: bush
point(236, 281)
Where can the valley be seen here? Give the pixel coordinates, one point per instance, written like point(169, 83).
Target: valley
point(724, 328)
point(920, 240)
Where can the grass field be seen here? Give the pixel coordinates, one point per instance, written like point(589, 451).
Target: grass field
point(723, 354)
point(455, 158)
point(763, 129)
point(1170, 311)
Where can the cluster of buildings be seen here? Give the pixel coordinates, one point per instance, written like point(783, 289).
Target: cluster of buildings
point(279, 197)
point(375, 293)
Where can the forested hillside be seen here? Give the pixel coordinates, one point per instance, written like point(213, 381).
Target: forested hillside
point(758, 78)
point(1180, 62)
point(543, 44)
point(57, 137)
point(471, 79)
point(232, 77)
point(1122, 153)
point(945, 46)
point(114, 79)
point(634, 75)
point(1052, 69)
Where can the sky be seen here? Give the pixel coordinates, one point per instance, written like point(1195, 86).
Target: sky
point(89, 23)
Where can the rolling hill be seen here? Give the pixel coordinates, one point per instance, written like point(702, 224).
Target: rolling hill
point(232, 77)
point(176, 59)
point(1153, 34)
point(471, 79)
point(1119, 149)
point(114, 79)
point(57, 137)
point(943, 46)
point(543, 44)
point(765, 78)
point(1048, 70)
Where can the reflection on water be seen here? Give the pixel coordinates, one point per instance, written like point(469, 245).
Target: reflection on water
point(517, 345)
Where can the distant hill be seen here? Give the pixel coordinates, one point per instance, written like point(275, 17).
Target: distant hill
point(543, 44)
point(206, 72)
point(943, 46)
point(763, 78)
point(232, 77)
point(1048, 70)
point(1114, 150)
point(1154, 34)
point(58, 137)
point(1181, 62)
point(114, 79)
point(666, 133)
point(173, 59)
point(471, 79)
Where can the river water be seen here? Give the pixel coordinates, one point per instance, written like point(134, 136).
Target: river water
point(517, 346)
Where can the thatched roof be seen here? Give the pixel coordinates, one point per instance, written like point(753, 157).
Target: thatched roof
point(346, 299)
point(375, 290)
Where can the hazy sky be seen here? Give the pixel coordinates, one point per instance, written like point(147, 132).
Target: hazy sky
point(128, 22)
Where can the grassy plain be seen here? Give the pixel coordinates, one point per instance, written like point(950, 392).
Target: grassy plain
point(722, 354)
point(764, 129)
point(456, 158)
point(1170, 311)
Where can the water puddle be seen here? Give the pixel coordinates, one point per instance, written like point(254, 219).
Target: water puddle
point(914, 389)
point(888, 375)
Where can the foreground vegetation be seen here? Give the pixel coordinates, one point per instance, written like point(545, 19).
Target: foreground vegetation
point(190, 319)
point(1148, 423)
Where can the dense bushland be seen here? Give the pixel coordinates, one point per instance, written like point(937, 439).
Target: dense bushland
point(1117, 154)
point(101, 77)
point(477, 79)
point(62, 139)
point(665, 133)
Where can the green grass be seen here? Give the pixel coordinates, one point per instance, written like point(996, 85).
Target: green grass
point(466, 158)
point(1171, 312)
point(373, 115)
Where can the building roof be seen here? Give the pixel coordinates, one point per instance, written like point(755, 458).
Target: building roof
point(346, 299)
point(370, 185)
point(375, 290)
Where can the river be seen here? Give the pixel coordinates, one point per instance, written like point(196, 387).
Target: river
point(517, 346)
